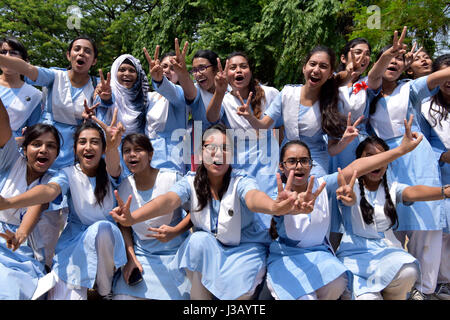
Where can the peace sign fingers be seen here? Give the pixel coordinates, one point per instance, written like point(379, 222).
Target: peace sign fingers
point(89, 112)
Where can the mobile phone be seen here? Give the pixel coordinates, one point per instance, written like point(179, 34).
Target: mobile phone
point(135, 277)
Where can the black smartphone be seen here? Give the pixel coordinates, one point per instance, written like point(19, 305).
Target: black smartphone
point(135, 277)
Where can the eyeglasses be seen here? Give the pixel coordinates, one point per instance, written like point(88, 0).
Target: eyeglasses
point(292, 162)
point(214, 147)
point(11, 52)
point(200, 69)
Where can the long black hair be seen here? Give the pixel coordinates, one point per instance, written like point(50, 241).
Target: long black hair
point(438, 103)
point(258, 96)
point(333, 122)
point(101, 176)
point(201, 181)
point(366, 209)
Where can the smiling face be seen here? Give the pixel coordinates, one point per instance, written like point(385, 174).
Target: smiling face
point(216, 153)
point(299, 154)
point(375, 176)
point(317, 70)
point(361, 51)
point(421, 66)
point(127, 75)
point(81, 56)
point(136, 158)
point(41, 153)
point(394, 69)
point(239, 74)
point(205, 79)
point(8, 50)
point(168, 70)
point(89, 150)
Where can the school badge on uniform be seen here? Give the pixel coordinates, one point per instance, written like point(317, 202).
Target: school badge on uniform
point(27, 98)
point(230, 212)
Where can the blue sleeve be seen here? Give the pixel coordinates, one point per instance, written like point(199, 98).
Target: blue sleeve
point(332, 183)
point(274, 111)
point(35, 116)
point(45, 78)
point(245, 185)
point(172, 92)
point(102, 110)
point(61, 179)
point(183, 189)
point(9, 154)
point(419, 91)
point(436, 143)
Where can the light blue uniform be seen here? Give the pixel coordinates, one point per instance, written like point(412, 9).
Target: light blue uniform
point(75, 260)
point(27, 116)
point(228, 271)
point(301, 259)
point(367, 250)
point(356, 103)
point(46, 78)
point(166, 127)
point(308, 122)
point(20, 270)
point(155, 256)
point(253, 155)
point(416, 167)
point(439, 136)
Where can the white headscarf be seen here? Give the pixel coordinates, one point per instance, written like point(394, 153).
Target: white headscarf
point(132, 103)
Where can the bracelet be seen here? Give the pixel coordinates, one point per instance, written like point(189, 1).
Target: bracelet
point(443, 191)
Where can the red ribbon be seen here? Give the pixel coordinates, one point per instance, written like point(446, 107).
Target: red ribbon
point(359, 86)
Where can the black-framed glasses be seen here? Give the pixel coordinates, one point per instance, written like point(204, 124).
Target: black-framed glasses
point(200, 69)
point(11, 52)
point(215, 147)
point(292, 162)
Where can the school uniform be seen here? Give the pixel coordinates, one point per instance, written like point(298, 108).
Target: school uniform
point(255, 152)
point(167, 118)
point(371, 251)
point(64, 105)
point(422, 220)
point(351, 99)
point(301, 261)
point(301, 123)
point(154, 255)
point(20, 270)
point(439, 136)
point(227, 247)
point(81, 246)
point(23, 106)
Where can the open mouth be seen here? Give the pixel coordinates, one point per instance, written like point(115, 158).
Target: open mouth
point(393, 69)
point(42, 160)
point(80, 62)
point(133, 162)
point(239, 78)
point(88, 156)
point(200, 81)
point(314, 79)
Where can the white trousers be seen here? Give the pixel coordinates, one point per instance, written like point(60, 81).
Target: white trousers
point(426, 247)
point(399, 286)
point(444, 269)
point(104, 243)
point(199, 292)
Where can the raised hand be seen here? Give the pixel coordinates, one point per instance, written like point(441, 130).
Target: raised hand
point(13, 240)
point(345, 191)
point(285, 202)
point(351, 131)
point(163, 233)
point(354, 66)
point(179, 62)
point(411, 55)
point(104, 87)
point(121, 214)
point(398, 47)
point(113, 132)
point(244, 109)
point(221, 80)
point(89, 112)
point(306, 200)
point(155, 68)
point(410, 139)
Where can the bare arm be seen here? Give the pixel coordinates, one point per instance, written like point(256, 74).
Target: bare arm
point(424, 193)
point(438, 78)
point(179, 66)
point(20, 66)
point(5, 127)
point(40, 194)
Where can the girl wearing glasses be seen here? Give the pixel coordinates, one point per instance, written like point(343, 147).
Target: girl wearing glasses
point(66, 90)
point(21, 100)
point(225, 256)
point(301, 262)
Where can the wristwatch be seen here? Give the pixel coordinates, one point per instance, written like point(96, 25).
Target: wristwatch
point(443, 190)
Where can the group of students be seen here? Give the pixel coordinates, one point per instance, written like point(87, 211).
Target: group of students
point(305, 193)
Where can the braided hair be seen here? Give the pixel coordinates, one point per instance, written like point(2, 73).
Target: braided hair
point(366, 208)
